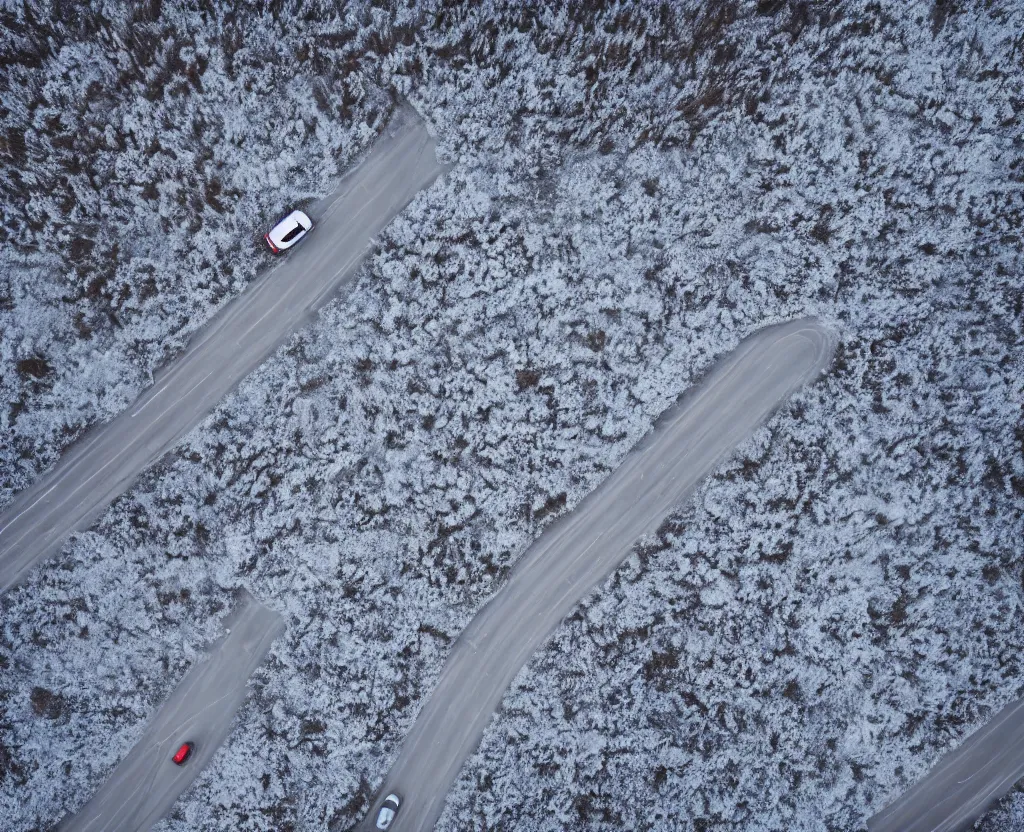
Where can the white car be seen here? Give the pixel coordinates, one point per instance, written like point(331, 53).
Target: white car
point(288, 231)
point(388, 811)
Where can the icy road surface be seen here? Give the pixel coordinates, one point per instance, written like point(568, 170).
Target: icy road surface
point(145, 784)
point(106, 461)
point(966, 782)
point(579, 551)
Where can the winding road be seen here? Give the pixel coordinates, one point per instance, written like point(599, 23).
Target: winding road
point(579, 551)
point(105, 462)
point(145, 784)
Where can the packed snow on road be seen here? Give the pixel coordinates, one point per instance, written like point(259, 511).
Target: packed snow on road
point(631, 193)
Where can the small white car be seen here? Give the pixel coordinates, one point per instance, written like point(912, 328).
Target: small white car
point(388, 811)
point(288, 231)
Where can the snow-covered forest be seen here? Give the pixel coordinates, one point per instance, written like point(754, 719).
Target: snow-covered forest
point(633, 190)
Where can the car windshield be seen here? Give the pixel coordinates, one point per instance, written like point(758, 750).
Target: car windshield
point(291, 235)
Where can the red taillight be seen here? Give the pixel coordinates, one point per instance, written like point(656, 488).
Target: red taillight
point(183, 753)
point(273, 248)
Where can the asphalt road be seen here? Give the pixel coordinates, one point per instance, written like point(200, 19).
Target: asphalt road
point(579, 551)
point(965, 783)
point(145, 784)
point(105, 462)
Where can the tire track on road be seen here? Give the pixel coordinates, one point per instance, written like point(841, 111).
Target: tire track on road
point(238, 339)
point(145, 784)
point(577, 552)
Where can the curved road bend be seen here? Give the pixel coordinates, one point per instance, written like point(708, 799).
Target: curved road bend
point(105, 462)
point(966, 783)
point(579, 551)
point(145, 784)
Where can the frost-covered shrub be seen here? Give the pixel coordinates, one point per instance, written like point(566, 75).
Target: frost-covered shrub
point(635, 190)
point(146, 147)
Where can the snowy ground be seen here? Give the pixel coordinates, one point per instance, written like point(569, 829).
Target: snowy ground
point(631, 195)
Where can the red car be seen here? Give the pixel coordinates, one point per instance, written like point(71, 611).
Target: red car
point(182, 754)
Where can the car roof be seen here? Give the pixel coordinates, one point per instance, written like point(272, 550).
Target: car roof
point(301, 217)
point(281, 235)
